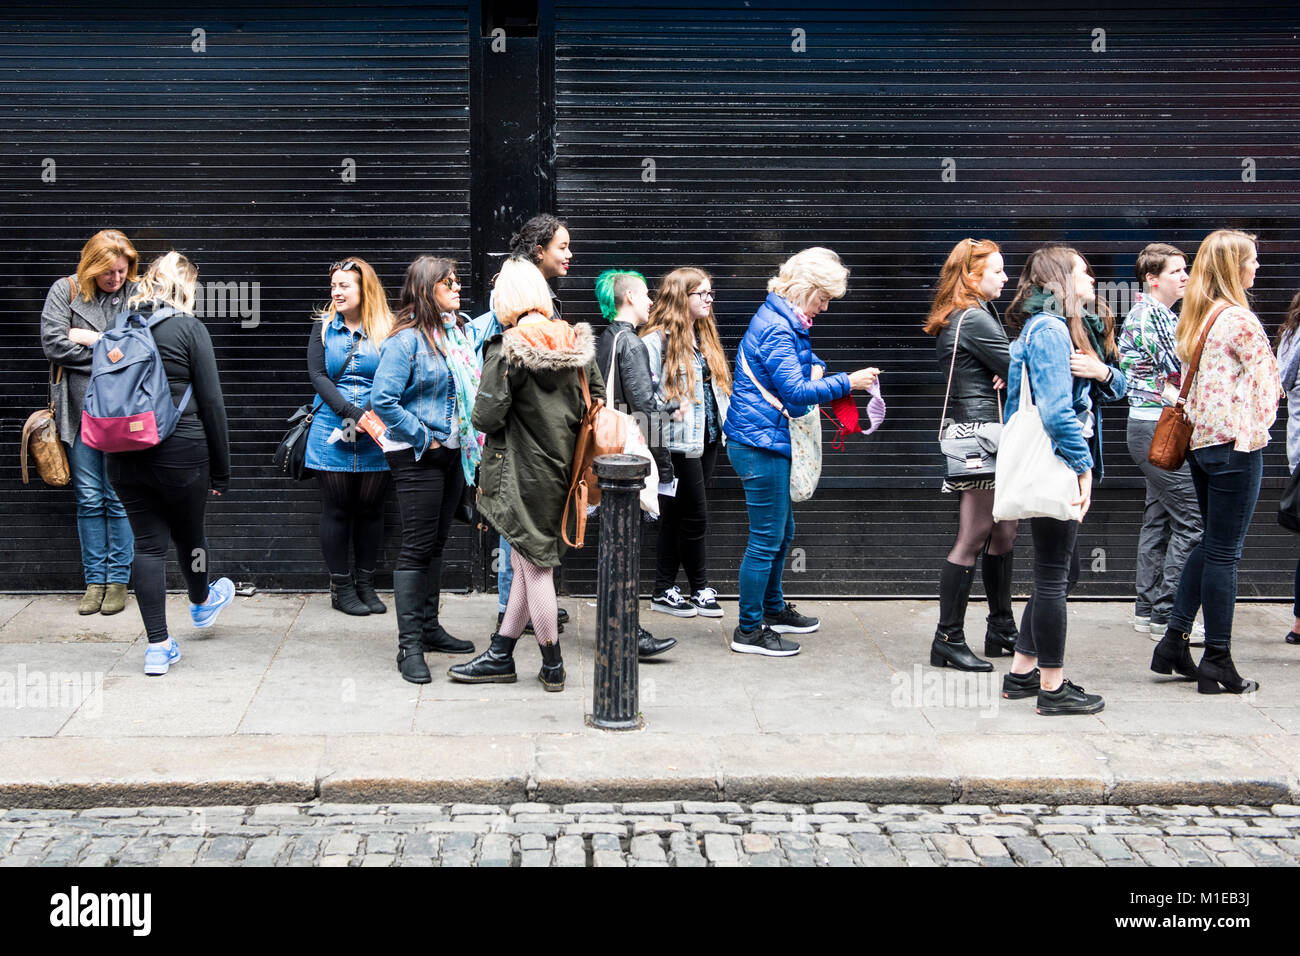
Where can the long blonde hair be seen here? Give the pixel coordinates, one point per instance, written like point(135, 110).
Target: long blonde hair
point(169, 280)
point(671, 316)
point(97, 257)
point(1216, 274)
point(376, 316)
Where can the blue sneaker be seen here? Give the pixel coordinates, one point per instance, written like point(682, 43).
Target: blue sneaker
point(158, 657)
point(220, 593)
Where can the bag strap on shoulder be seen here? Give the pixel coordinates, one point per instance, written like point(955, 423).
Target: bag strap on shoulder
point(771, 399)
point(1195, 363)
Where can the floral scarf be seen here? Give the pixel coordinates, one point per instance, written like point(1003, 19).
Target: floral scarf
point(463, 362)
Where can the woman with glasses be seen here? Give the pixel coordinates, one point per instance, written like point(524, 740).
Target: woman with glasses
point(423, 395)
point(690, 371)
point(973, 353)
point(342, 355)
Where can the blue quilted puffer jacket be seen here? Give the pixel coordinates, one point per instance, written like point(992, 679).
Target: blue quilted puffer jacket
point(780, 355)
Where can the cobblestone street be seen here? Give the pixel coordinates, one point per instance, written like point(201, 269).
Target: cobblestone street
point(654, 834)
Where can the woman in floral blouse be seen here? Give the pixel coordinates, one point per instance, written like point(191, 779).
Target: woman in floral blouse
point(1232, 403)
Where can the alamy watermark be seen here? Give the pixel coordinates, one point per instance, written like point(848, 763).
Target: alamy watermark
point(946, 689)
point(229, 300)
point(24, 689)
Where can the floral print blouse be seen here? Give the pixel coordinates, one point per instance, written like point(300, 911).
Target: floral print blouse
point(1235, 394)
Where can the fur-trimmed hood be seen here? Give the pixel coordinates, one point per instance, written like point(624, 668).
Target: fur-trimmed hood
point(552, 346)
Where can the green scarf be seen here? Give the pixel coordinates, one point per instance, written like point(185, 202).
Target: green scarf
point(1039, 300)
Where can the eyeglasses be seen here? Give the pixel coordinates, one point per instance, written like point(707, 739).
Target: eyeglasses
point(706, 295)
point(451, 282)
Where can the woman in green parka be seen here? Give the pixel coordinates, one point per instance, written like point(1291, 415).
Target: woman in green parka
point(529, 406)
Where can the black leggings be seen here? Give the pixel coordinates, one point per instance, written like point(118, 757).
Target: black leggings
point(428, 492)
point(1056, 572)
point(684, 522)
point(165, 493)
point(352, 509)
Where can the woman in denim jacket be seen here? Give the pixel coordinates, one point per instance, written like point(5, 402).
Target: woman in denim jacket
point(424, 396)
point(689, 368)
point(1061, 356)
point(350, 470)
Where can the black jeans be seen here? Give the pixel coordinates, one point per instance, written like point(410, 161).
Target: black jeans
point(428, 492)
point(352, 511)
point(1056, 571)
point(684, 522)
point(165, 493)
point(1227, 487)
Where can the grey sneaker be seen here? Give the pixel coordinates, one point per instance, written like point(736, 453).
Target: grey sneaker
point(790, 621)
point(762, 640)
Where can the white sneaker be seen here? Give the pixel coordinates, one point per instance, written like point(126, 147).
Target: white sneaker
point(1198, 633)
point(1142, 625)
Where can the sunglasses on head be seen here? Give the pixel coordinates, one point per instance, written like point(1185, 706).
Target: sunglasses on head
point(971, 246)
point(346, 265)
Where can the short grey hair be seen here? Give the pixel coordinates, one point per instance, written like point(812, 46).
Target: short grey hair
point(813, 270)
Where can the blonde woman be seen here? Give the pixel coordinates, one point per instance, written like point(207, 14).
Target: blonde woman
point(165, 489)
point(776, 353)
point(77, 309)
point(1232, 404)
point(690, 370)
point(342, 355)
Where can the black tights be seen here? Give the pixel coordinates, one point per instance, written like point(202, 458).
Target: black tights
point(977, 528)
point(352, 509)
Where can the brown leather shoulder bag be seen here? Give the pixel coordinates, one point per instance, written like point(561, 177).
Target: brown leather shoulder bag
point(1173, 433)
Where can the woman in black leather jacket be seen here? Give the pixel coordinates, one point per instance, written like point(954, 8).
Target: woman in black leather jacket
point(963, 314)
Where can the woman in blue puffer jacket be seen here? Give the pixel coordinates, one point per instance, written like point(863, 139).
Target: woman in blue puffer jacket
point(776, 357)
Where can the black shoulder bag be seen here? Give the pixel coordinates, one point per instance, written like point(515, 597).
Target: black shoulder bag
point(290, 459)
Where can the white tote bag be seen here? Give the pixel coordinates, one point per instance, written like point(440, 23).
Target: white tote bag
point(805, 442)
point(1031, 481)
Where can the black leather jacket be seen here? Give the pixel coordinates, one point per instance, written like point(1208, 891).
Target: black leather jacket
point(634, 388)
point(982, 352)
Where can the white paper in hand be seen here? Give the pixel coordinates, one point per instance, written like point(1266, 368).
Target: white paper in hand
point(668, 488)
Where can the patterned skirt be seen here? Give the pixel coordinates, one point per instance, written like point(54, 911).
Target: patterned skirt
point(969, 484)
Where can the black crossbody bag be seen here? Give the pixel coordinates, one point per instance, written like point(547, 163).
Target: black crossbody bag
point(290, 459)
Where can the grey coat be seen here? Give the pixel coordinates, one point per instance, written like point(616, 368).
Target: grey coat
point(63, 312)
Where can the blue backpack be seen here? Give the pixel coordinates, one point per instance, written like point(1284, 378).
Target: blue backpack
point(128, 404)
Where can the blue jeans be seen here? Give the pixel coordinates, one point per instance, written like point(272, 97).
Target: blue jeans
point(505, 575)
point(1227, 488)
point(107, 545)
point(765, 476)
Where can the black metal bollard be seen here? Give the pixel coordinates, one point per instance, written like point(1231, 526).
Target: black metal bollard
point(616, 705)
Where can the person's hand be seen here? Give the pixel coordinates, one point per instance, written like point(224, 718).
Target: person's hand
point(1083, 365)
point(86, 337)
point(679, 415)
point(817, 372)
point(863, 378)
point(998, 383)
point(1085, 493)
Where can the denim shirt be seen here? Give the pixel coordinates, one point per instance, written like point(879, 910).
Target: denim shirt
point(482, 328)
point(354, 384)
point(1064, 402)
point(413, 392)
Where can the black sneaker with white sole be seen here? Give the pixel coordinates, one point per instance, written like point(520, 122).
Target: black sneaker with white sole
point(705, 601)
point(790, 621)
point(672, 602)
point(762, 640)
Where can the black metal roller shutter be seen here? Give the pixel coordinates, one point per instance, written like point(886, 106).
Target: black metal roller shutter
point(729, 136)
point(264, 140)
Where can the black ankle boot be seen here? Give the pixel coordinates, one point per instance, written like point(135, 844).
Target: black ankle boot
point(496, 665)
point(552, 673)
point(343, 595)
point(1000, 637)
point(1217, 674)
point(435, 640)
point(410, 588)
point(365, 584)
point(1172, 654)
point(948, 649)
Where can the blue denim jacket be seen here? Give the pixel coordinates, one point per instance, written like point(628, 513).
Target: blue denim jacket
point(413, 392)
point(1063, 401)
point(354, 384)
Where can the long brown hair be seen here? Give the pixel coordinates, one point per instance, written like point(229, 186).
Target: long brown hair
point(959, 281)
point(1051, 269)
point(416, 306)
point(671, 315)
point(1215, 275)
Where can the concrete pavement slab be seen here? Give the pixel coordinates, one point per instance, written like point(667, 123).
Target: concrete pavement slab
point(594, 765)
point(43, 685)
point(1174, 768)
point(423, 769)
point(996, 768)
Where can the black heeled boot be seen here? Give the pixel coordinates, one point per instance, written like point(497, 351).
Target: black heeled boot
point(552, 673)
point(1217, 674)
point(1000, 637)
point(496, 665)
point(343, 596)
point(1172, 654)
point(365, 586)
point(948, 649)
point(435, 640)
point(410, 588)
